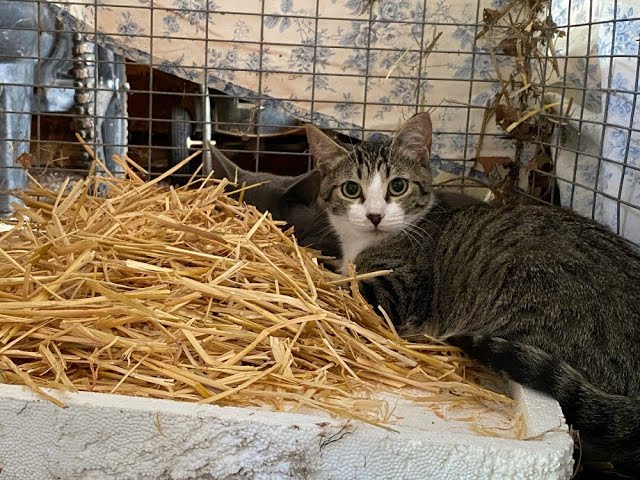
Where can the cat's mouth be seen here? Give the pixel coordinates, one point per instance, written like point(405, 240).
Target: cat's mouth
point(378, 231)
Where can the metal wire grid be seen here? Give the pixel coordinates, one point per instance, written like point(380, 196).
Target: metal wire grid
point(631, 131)
point(153, 91)
point(146, 145)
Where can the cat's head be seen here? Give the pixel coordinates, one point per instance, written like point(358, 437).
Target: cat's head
point(290, 199)
point(375, 188)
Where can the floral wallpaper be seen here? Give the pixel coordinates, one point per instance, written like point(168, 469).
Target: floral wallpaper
point(322, 60)
point(342, 66)
point(596, 164)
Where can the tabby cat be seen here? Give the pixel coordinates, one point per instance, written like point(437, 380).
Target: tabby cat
point(547, 297)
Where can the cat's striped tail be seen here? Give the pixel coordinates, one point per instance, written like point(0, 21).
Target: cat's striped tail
point(608, 423)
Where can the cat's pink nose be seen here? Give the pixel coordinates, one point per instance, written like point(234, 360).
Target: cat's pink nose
point(374, 218)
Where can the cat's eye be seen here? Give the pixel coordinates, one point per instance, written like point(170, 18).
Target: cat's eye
point(398, 186)
point(351, 189)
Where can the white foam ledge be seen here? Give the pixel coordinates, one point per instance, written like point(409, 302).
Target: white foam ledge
point(115, 437)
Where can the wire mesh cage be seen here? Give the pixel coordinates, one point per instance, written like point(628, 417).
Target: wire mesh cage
point(529, 98)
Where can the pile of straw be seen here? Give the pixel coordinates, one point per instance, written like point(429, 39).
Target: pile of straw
point(186, 294)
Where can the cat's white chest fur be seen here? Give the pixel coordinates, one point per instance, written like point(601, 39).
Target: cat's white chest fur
point(352, 241)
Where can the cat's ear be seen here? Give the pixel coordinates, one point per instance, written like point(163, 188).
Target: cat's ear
point(413, 140)
point(304, 188)
point(223, 167)
point(325, 151)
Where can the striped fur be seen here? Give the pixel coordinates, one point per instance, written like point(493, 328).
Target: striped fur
point(539, 293)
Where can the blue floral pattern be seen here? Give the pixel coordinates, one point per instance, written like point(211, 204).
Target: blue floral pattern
point(351, 68)
point(608, 166)
point(356, 67)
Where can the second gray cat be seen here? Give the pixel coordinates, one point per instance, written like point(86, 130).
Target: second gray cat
point(290, 199)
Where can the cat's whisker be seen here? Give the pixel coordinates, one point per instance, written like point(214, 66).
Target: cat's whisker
point(427, 220)
point(410, 236)
point(437, 204)
point(421, 235)
point(325, 231)
point(420, 229)
point(321, 219)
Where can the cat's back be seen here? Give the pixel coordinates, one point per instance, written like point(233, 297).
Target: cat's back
point(541, 238)
point(549, 277)
point(543, 228)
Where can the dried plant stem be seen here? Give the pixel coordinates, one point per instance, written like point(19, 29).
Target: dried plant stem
point(184, 294)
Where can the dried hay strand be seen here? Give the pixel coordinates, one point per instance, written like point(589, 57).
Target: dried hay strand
point(185, 294)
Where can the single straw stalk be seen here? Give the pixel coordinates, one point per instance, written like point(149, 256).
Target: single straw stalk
point(185, 294)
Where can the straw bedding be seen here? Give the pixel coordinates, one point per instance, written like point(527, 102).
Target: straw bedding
point(186, 294)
